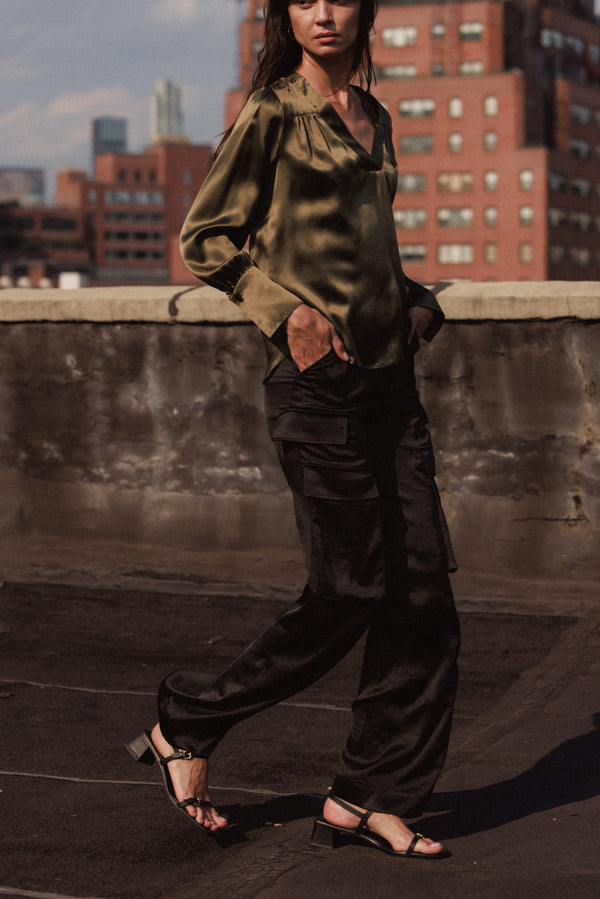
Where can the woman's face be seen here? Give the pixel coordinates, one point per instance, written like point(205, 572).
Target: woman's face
point(325, 29)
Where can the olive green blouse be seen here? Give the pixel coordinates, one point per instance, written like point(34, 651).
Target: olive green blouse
point(317, 209)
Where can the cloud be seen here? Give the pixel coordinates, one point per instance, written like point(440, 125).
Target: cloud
point(175, 12)
point(92, 103)
point(58, 134)
point(84, 60)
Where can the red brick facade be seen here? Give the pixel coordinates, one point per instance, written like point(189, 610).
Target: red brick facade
point(496, 113)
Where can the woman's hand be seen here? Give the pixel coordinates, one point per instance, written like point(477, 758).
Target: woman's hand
point(310, 336)
point(420, 318)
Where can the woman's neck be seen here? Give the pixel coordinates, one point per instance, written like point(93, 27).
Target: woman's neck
point(330, 80)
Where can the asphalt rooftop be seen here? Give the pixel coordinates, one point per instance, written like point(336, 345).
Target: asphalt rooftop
point(85, 641)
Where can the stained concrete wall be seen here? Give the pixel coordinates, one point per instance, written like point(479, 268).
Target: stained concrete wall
point(135, 414)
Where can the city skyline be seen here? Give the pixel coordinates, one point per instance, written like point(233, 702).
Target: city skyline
point(82, 62)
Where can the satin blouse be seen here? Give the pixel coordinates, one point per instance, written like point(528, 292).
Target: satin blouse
point(316, 208)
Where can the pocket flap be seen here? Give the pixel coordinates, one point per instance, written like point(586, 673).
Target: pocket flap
point(310, 427)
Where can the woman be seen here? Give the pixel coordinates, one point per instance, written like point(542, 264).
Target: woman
point(308, 174)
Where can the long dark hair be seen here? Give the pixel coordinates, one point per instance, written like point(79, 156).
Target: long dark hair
point(280, 53)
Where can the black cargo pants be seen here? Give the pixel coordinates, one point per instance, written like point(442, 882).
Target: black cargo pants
point(356, 451)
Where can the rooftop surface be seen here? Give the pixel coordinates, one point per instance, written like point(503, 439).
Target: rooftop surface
point(84, 646)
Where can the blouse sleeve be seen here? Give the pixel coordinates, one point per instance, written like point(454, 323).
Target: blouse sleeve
point(418, 295)
point(230, 202)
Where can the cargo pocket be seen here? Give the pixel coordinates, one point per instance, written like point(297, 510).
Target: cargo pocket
point(310, 427)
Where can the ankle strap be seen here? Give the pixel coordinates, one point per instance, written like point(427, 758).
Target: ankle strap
point(363, 816)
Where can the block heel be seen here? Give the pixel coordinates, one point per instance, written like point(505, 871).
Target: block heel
point(141, 750)
point(324, 836)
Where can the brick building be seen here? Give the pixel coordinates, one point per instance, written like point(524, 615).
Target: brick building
point(496, 113)
point(134, 209)
point(119, 227)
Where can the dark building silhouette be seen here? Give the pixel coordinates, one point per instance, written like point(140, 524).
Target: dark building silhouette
point(109, 135)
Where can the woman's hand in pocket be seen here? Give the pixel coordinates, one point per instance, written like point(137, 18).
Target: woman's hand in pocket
point(311, 336)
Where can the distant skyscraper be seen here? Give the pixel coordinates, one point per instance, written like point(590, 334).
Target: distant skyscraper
point(108, 136)
point(166, 115)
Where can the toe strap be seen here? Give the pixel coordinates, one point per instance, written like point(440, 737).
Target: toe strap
point(413, 843)
point(204, 804)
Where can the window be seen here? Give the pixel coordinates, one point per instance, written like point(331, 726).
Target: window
point(580, 256)
point(452, 253)
point(406, 71)
point(550, 37)
point(438, 68)
point(57, 223)
point(413, 252)
point(579, 148)
point(454, 182)
point(490, 216)
point(438, 30)
point(137, 175)
point(399, 36)
point(455, 217)
point(471, 67)
point(417, 109)
point(490, 252)
point(580, 114)
point(455, 142)
point(581, 221)
point(575, 44)
point(186, 176)
point(526, 252)
point(557, 218)
point(557, 253)
point(526, 215)
point(526, 179)
point(490, 141)
point(408, 184)
point(92, 196)
point(490, 105)
point(410, 218)
point(581, 187)
point(416, 143)
point(557, 182)
point(455, 107)
point(490, 180)
point(470, 31)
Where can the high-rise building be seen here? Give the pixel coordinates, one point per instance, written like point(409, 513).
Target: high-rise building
point(109, 135)
point(496, 112)
point(166, 113)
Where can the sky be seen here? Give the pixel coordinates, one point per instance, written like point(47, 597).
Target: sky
point(65, 62)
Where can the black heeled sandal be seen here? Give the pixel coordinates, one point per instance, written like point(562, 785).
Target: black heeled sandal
point(143, 750)
point(326, 835)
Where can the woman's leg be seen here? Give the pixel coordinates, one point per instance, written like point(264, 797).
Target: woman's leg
point(322, 452)
point(403, 710)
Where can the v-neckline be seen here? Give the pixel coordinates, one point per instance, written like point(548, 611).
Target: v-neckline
point(374, 158)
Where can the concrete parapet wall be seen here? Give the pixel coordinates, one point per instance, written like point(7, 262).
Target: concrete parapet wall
point(135, 414)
